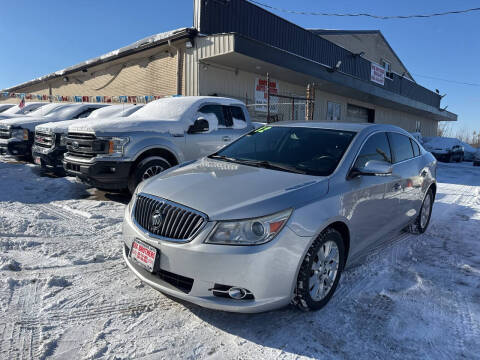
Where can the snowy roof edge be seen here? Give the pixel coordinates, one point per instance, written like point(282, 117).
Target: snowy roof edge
point(137, 46)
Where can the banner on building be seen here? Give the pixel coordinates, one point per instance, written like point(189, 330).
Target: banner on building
point(377, 74)
point(261, 95)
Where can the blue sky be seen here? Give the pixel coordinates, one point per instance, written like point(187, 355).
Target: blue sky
point(39, 37)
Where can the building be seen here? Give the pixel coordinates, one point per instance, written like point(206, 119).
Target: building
point(233, 45)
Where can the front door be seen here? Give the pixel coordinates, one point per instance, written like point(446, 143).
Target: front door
point(367, 208)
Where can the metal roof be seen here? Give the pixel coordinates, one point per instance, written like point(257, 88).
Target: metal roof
point(137, 46)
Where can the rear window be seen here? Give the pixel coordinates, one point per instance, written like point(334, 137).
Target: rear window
point(416, 148)
point(401, 147)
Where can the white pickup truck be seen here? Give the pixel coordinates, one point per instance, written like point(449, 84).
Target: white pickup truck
point(117, 154)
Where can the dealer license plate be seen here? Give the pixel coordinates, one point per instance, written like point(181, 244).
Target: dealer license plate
point(37, 160)
point(143, 254)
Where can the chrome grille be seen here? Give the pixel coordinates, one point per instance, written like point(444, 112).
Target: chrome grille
point(44, 139)
point(81, 145)
point(5, 133)
point(177, 223)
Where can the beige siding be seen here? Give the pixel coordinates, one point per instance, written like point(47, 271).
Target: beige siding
point(374, 47)
point(152, 72)
point(383, 115)
point(194, 67)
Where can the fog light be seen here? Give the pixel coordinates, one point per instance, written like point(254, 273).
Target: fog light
point(237, 293)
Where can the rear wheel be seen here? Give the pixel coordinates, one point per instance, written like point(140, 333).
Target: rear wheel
point(146, 169)
point(320, 271)
point(423, 219)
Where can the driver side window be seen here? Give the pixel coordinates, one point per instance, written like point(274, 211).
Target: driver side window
point(216, 115)
point(376, 148)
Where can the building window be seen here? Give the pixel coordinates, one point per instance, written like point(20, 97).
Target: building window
point(388, 69)
point(333, 111)
point(418, 126)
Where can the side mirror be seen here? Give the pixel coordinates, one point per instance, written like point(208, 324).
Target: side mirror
point(200, 125)
point(373, 168)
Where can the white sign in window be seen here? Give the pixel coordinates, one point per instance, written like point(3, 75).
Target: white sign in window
point(333, 111)
point(377, 74)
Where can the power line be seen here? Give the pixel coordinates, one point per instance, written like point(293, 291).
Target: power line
point(417, 16)
point(447, 80)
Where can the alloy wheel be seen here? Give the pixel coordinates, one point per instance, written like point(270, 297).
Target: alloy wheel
point(324, 271)
point(152, 171)
point(426, 209)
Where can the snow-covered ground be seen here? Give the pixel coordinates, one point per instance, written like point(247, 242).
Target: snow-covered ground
point(66, 294)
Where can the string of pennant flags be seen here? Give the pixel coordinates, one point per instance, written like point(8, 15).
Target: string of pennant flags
point(78, 98)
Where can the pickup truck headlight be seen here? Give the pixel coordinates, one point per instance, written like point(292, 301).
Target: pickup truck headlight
point(20, 134)
point(250, 231)
point(115, 145)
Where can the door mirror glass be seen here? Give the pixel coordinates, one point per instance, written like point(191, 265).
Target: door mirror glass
point(200, 125)
point(373, 168)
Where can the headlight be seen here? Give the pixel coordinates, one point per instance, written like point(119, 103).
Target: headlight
point(116, 145)
point(250, 231)
point(20, 134)
point(63, 140)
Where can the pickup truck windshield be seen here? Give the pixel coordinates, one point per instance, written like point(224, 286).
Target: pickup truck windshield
point(301, 150)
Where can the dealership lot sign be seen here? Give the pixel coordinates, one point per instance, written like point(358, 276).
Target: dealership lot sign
point(377, 74)
point(261, 96)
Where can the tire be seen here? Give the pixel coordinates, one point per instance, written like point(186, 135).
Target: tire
point(307, 278)
point(420, 225)
point(145, 169)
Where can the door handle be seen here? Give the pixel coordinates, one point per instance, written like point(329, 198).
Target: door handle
point(226, 138)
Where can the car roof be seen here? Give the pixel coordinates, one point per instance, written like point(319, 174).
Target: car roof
point(342, 126)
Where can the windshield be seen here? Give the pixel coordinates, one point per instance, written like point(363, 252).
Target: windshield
point(46, 109)
point(27, 109)
point(63, 112)
point(294, 149)
point(164, 109)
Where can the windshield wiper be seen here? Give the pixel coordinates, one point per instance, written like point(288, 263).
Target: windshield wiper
point(226, 158)
point(273, 166)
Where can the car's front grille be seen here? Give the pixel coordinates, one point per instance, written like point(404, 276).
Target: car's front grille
point(167, 220)
point(5, 133)
point(83, 145)
point(44, 139)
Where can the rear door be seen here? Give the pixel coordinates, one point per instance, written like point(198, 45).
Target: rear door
point(407, 171)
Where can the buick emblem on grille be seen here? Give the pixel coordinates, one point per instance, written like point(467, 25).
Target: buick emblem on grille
point(157, 219)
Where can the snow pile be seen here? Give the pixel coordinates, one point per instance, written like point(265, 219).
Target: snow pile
point(441, 143)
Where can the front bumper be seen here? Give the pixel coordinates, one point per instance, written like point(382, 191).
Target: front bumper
point(268, 271)
point(51, 158)
point(111, 175)
point(15, 147)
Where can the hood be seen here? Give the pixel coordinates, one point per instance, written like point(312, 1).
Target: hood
point(59, 127)
point(28, 122)
point(114, 126)
point(225, 190)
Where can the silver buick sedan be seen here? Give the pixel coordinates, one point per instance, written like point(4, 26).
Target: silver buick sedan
point(276, 216)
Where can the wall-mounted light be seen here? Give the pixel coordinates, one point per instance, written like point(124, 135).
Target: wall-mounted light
point(336, 67)
point(65, 79)
point(188, 45)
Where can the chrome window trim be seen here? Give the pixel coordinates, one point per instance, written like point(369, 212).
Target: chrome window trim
point(157, 237)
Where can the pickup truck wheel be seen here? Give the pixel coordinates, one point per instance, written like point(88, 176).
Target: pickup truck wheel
point(146, 169)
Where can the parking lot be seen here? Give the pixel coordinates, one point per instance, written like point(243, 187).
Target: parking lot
point(66, 293)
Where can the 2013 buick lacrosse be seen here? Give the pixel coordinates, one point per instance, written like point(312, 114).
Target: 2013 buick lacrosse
point(277, 215)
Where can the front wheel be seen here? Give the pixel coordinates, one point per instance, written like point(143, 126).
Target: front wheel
point(146, 169)
point(320, 271)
